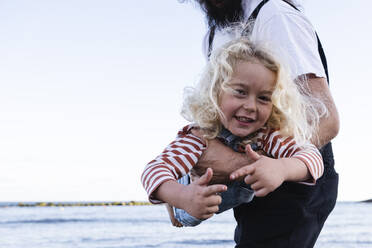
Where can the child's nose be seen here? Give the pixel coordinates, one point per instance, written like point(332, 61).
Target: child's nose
point(250, 104)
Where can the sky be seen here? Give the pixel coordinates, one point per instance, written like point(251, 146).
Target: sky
point(90, 92)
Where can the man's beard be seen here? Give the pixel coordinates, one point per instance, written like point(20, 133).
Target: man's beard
point(229, 12)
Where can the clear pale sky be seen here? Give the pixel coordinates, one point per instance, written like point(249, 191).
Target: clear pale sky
point(90, 91)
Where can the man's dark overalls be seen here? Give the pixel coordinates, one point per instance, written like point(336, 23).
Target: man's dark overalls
point(293, 215)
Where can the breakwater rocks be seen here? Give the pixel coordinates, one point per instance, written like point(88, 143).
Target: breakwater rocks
point(81, 204)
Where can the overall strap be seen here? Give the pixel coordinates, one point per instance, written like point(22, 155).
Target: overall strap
point(254, 15)
point(212, 30)
point(322, 57)
point(255, 12)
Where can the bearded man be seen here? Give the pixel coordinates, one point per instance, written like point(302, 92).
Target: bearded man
point(294, 214)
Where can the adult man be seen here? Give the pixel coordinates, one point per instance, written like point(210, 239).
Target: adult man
point(294, 214)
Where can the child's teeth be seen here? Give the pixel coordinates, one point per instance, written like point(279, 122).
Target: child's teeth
point(243, 119)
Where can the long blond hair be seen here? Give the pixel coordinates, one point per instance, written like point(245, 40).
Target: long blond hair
point(295, 113)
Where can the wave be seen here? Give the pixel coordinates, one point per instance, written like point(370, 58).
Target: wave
point(205, 242)
point(187, 243)
point(47, 221)
point(110, 240)
point(82, 220)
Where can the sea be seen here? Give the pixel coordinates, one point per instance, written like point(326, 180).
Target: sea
point(349, 226)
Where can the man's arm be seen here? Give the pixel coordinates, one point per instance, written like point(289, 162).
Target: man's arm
point(330, 124)
point(222, 159)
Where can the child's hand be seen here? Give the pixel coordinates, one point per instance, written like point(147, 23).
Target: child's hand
point(264, 175)
point(201, 199)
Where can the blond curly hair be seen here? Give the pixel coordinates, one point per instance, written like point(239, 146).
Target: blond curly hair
point(295, 113)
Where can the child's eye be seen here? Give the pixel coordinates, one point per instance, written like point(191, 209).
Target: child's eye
point(265, 98)
point(239, 92)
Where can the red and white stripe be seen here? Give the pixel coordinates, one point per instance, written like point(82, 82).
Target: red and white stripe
point(182, 154)
point(284, 147)
point(174, 162)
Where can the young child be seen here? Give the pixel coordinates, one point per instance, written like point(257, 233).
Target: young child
point(246, 99)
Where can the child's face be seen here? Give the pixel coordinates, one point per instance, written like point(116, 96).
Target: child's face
point(248, 106)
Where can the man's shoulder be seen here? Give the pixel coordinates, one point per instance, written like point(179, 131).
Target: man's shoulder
point(278, 8)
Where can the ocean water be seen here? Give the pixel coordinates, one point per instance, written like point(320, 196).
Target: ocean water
point(350, 225)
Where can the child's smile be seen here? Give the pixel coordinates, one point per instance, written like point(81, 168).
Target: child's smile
point(247, 105)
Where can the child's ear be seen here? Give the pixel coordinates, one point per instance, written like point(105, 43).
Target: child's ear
point(274, 118)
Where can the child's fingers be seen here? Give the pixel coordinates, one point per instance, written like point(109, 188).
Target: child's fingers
point(209, 212)
point(261, 192)
point(206, 216)
point(206, 178)
point(256, 185)
point(251, 154)
point(212, 210)
point(213, 200)
point(214, 189)
point(246, 170)
point(249, 179)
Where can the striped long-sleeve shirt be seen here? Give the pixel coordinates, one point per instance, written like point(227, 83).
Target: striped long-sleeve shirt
point(183, 153)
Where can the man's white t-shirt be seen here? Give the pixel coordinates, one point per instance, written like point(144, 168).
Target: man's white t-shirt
point(285, 31)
